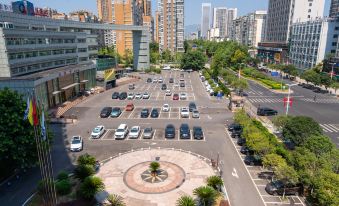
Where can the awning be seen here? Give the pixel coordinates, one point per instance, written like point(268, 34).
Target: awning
point(69, 86)
point(56, 92)
point(84, 81)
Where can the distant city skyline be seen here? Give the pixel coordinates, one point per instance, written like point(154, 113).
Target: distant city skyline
point(192, 15)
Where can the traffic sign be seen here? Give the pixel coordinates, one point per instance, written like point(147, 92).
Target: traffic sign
point(288, 101)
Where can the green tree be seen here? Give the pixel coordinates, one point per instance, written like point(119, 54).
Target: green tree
point(280, 121)
point(273, 161)
point(62, 175)
point(127, 58)
point(215, 181)
point(84, 171)
point(115, 200)
point(17, 142)
point(240, 84)
point(86, 159)
point(287, 175)
point(311, 76)
point(300, 128)
point(193, 60)
point(166, 56)
point(259, 143)
point(206, 195)
point(319, 145)
point(325, 80)
point(239, 57)
point(90, 187)
point(154, 166)
point(154, 47)
point(185, 201)
point(335, 86)
point(63, 187)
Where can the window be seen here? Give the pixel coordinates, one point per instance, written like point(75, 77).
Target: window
point(335, 36)
point(83, 59)
point(81, 40)
point(334, 43)
point(81, 50)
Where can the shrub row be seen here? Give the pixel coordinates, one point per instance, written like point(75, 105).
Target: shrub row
point(268, 81)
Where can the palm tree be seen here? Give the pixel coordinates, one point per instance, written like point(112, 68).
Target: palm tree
point(154, 166)
point(215, 181)
point(185, 201)
point(115, 200)
point(206, 194)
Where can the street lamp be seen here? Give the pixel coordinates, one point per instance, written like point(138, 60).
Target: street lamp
point(288, 97)
point(332, 69)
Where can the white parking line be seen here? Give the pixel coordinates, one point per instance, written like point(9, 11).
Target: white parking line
point(129, 116)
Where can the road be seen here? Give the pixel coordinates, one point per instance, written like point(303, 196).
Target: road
point(324, 110)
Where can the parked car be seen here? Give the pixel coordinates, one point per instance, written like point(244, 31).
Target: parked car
point(149, 80)
point(232, 126)
point(171, 80)
point(175, 96)
point(163, 87)
point(98, 131)
point(176, 84)
point(116, 112)
point(155, 80)
point(268, 175)
point(246, 150)
point(192, 106)
point(76, 144)
point(154, 113)
point(236, 134)
point(145, 95)
point(198, 133)
point(253, 160)
point(144, 113)
point(170, 131)
point(185, 131)
point(265, 111)
point(148, 133)
point(123, 95)
point(134, 132)
point(115, 95)
point(182, 84)
point(160, 80)
point(183, 96)
point(121, 132)
point(138, 96)
point(195, 114)
point(129, 107)
point(105, 112)
point(130, 96)
point(166, 108)
point(241, 141)
point(184, 112)
point(131, 86)
point(279, 188)
point(168, 92)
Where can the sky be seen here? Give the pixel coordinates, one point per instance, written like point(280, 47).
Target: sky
point(192, 7)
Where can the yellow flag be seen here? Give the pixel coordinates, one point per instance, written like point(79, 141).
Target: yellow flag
point(30, 113)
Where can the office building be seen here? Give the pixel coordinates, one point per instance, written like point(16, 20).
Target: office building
point(220, 21)
point(334, 8)
point(280, 16)
point(55, 57)
point(232, 14)
point(205, 19)
point(311, 40)
point(171, 25)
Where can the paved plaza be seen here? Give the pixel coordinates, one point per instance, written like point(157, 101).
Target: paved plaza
point(123, 175)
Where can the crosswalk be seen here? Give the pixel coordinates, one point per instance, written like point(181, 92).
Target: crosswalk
point(265, 100)
point(330, 128)
point(325, 101)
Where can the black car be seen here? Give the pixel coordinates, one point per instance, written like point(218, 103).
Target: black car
point(192, 106)
point(163, 87)
point(236, 134)
point(105, 112)
point(171, 80)
point(279, 188)
point(253, 160)
point(154, 113)
point(123, 95)
point(144, 113)
point(170, 131)
point(308, 86)
point(185, 131)
point(267, 175)
point(115, 95)
point(265, 111)
point(241, 141)
point(182, 84)
point(198, 133)
point(246, 150)
point(234, 127)
point(149, 80)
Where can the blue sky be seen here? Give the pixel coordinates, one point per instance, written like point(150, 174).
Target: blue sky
point(192, 7)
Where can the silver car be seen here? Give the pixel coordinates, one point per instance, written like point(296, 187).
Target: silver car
point(195, 113)
point(148, 133)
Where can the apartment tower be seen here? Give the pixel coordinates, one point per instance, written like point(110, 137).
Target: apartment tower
point(171, 25)
point(334, 9)
point(232, 14)
point(220, 21)
point(105, 10)
point(205, 19)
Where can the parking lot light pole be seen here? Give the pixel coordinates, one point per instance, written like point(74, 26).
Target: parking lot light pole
point(288, 97)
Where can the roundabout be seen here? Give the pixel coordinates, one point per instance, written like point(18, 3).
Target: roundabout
point(130, 176)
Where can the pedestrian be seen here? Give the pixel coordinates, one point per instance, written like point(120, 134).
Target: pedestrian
point(315, 98)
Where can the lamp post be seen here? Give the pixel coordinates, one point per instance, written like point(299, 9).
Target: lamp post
point(288, 97)
point(332, 69)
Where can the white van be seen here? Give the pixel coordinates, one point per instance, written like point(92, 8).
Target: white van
point(121, 132)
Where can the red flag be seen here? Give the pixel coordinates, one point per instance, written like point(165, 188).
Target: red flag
point(34, 113)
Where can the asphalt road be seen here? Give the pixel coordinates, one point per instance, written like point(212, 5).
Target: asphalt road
point(325, 110)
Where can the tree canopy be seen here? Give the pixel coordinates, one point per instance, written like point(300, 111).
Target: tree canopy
point(193, 60)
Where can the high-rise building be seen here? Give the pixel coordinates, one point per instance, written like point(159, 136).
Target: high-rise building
point(205, 19)
point(156, 27)
point(232, 14)
point(280, 17)
point(105, 11)
point(220, 21)
point(334, 9)
point(147, 18)
point(171, 25)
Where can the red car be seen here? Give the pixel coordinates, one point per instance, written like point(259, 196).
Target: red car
point(129, 107)
point(175, 96)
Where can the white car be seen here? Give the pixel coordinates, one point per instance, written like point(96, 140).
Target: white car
point(121, 132)
point(183, 96)
point(176, 84)
point(76, 144)
point(168, 92)
point(195, 113)
point(145, 95)
point(130, 96)
point(160, 80)
point(98, 131)
point(206, 83)
point(166, 68)
point(155, 80)
point(166, 108)
point(138, 96)
point(134, 132)
point(184, 112)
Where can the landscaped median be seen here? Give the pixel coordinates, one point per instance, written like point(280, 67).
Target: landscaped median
point(216, 87)
point(311, 161)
